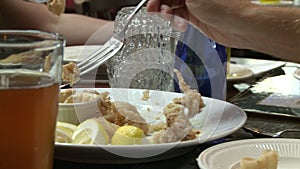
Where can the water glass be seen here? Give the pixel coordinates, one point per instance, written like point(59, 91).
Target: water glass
point(30, 73)
point(147, 59)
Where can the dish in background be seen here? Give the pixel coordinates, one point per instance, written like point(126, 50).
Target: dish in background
point(238, 72)
point(78, 53)
point(297, 74)
point(230, 118)
point(228, 155)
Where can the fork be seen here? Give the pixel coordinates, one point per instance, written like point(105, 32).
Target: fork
point(110, 48)
point(258, 133)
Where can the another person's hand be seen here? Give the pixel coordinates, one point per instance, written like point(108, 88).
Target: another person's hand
point(213, 17)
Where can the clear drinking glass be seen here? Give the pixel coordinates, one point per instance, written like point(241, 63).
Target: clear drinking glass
point(30, 74)
point(147, 59)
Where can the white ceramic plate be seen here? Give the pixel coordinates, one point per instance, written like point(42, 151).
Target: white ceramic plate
point(297, 74)
point(238, 73)
point(78, 53)
point(228, 155)
point(217, 119)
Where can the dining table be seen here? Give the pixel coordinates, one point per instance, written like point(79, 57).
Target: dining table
point(269, 95)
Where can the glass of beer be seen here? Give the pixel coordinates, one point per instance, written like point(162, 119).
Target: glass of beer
point(30, 74)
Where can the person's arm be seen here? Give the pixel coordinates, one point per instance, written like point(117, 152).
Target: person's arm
point(242, 24)
point(271, 30)
point(77, 29)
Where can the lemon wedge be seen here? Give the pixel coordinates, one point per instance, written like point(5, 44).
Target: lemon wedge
point(64, 132)
point(128, 135)
point(90, 131)
point(62, 137)
point(67, 127)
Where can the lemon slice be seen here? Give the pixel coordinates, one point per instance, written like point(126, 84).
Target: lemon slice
point(90, 131)
point(62, 137)
point(67, 127)
point(128, 135)
point(64, 132)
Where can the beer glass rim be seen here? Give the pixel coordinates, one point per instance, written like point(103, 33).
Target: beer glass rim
point(38, 38)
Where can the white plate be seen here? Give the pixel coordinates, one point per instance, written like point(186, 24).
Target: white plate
point(297, 74)
point(217, 119)
point(78, 53)
point(228, 155)
point(238, 73)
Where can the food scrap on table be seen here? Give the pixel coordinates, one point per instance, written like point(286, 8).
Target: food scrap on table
point(146, 95)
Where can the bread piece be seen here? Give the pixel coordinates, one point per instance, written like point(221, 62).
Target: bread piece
point(267, 160)
point(71, 73)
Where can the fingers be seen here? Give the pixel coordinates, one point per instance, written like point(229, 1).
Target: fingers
point(178, 23)
point(165, 9)
point(168, 10)
point(153, 5)
point(156, 5)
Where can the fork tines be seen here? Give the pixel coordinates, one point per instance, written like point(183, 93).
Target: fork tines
point(101, 55)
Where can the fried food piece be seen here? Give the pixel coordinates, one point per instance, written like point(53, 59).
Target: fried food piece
point(24, 57)
point(192, 98)
point(56, 6)
point(70, 73)
point(145, 95)
point(121, 113)
point(63, 96)
point(47, 63)
point(106, 107)
point(73, 96)
point(267, 160)
point(127, 114)
point(178, 128)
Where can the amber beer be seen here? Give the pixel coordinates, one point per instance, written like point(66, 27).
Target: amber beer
point(26, 113)
point(30, 74)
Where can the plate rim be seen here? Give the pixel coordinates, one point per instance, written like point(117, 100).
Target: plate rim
point(297, 73)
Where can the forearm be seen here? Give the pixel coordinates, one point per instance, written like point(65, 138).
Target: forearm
point(18, 14)
point(80, 29)
point(273, 30)
point(76, 28)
